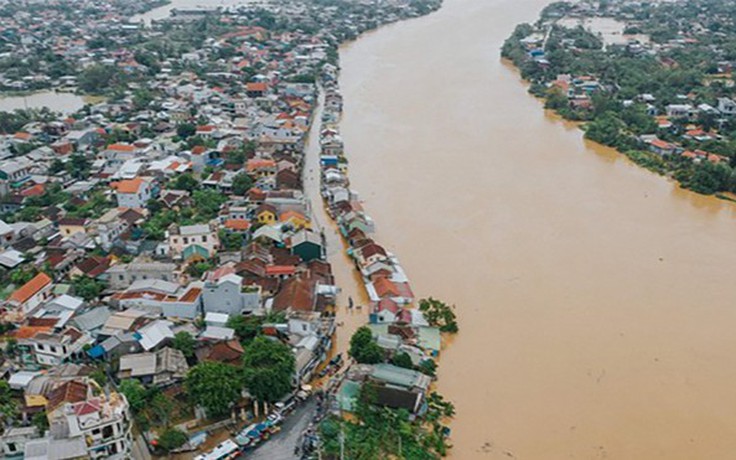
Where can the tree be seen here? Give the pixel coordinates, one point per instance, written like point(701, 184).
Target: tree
point(207, 203)
point(605, 129)
point(135, 393)
point(268, 369)
point(185, 130)
point(99, 376)
point(40, 421)
point(246, 328)
point(439, 314)
point(171, 439)
point(87, 288)
point(197, 269)
point(21, 276)
point(8, 406)
point(363, 348)
point(184, 342)
point(97, 79)
point(428, 367)
point(241, 184)
point(185, 182)
point(230, 241)
point(402, 360)
point(214, 386)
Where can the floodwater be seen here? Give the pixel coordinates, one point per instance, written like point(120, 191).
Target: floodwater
point(609, 30)
point(164, 11)
point(55, 101)
point(596, 300)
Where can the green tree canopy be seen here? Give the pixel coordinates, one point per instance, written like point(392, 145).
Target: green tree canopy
point(241, 184)
point(171, 439)
point(439, 314)
point(184, 342)
point(87, 288)
point(268, 369)
point(215, 386)
point(363, 348)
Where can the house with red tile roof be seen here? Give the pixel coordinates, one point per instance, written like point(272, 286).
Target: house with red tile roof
point(29, 296)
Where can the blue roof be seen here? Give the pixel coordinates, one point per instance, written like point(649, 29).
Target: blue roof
point(96, 352)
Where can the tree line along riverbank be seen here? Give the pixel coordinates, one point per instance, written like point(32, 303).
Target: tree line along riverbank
point(652, 80)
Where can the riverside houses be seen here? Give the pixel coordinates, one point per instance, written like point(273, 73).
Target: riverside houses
point(164, 225)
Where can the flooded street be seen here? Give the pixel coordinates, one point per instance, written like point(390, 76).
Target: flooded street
point(596, 302)
point(347, 277)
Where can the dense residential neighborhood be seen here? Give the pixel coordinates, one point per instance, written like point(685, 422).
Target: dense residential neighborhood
point(163, 279)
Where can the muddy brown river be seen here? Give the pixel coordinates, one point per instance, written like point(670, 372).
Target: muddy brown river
point(596, 300)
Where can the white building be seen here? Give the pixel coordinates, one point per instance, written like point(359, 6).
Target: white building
point(133, 193)
point(227, 295)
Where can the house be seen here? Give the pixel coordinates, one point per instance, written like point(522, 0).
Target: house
point(93, 267)
point(236, 225)
point(385, 288)
point(295, 219)
point(30, 295)
point(13, 441)
point(7, 234)
point(385, 311)
point(163, 367)
point(726, 106)
point(227, 295)
point(286, 179)
point(393, 386)
point(99, 421)
point(266, 214)
point(133, 193)
point(307, 245)
point(296, 294)
point(202, 235)
point(228, 351)
point(68, 226)
point(256, 89)
point(51, 349)
point(15, 171)
point(680, 111)
point(661, 147)
point(122, 276)
point(161, 298)
point(370, 253)
point(110, 226)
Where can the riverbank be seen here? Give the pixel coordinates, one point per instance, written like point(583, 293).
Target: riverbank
point(679, 124)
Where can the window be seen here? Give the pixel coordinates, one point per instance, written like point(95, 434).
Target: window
point(121, 277)
point(11, 447)
point(204, 238)
point(186, 240)
point(52, 348)
point(41, 347)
